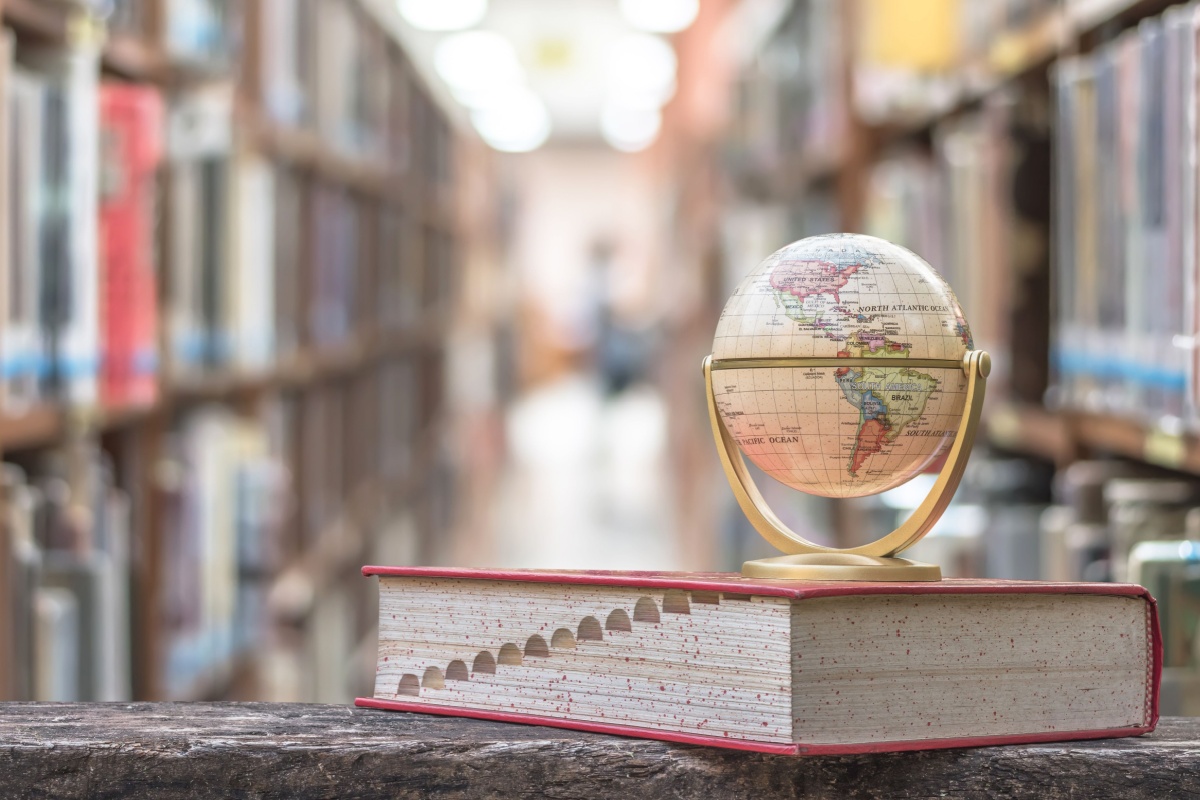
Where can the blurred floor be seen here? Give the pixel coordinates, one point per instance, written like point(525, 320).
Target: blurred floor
point(587, 486)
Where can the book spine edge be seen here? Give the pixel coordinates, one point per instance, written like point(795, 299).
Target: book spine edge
point(1155, 661)
point(750, 745)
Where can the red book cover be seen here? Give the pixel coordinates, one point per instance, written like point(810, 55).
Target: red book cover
point(733, 583)
point(131, 119)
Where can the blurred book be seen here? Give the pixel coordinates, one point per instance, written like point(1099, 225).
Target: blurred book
point(323, 476)
point(200, 142)
point(24, 355)
point(250, 278)
point(132, 130)
point(286, 29)
point(222, 288)
point(398, 424)
point(399, 114)
point(336, 230)
point(288, 261)
point(351, 79)
point(53, 288)
point(56, 646)
point(395, 305)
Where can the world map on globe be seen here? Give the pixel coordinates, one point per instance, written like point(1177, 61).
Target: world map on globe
point(842, 431)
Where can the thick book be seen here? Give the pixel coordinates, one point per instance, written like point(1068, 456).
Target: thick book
point(783, 667)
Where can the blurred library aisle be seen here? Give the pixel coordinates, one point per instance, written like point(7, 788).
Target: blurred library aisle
point(293, 286)
point(587, 486)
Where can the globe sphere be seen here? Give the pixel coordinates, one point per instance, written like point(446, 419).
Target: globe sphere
point(831, 430)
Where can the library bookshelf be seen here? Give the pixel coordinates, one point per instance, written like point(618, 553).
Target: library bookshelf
point(303, 238)
point(837, 158)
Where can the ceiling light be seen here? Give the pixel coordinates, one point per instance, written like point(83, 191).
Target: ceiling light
point(629, 128)
point(477, 64)
point(641, 70)
point(516, 123)
point(442, 15)
point(660, 16)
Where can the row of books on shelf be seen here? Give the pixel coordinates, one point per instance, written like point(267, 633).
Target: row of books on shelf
point(1126, 231)
point(948, 206)
point(261, 258)
point(323, 65)
point(225, 491)
point(251, 501)
point(969, 204)
point(905, 62)
point(66, 559)
point(791, 97)
point(912, 63)
point(240, 499)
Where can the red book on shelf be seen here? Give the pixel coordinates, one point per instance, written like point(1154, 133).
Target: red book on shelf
point(784, 667)
point(132, 141)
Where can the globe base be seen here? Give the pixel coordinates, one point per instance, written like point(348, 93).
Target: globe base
point(840, 567)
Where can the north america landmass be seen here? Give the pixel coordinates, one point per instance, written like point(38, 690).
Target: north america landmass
point(809, 291)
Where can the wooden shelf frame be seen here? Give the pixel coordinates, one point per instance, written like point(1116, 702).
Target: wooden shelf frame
point(1066, 436)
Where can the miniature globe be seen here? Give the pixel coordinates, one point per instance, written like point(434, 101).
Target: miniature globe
point(831, 430)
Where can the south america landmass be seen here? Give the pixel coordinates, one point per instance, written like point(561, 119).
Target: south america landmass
point(888, 400)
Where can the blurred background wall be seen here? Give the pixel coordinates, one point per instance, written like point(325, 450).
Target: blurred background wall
point(291, 286)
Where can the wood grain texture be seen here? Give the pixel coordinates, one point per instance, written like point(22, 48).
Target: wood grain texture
point(309, 751)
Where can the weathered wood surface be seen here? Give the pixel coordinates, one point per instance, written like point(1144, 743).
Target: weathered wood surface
point(261, 750)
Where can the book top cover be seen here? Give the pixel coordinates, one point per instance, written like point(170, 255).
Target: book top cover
point(735, 583)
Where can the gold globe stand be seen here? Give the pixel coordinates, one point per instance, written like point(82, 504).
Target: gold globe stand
point(876, 561)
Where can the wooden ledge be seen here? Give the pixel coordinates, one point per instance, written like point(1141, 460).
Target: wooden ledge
point(201, 750)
